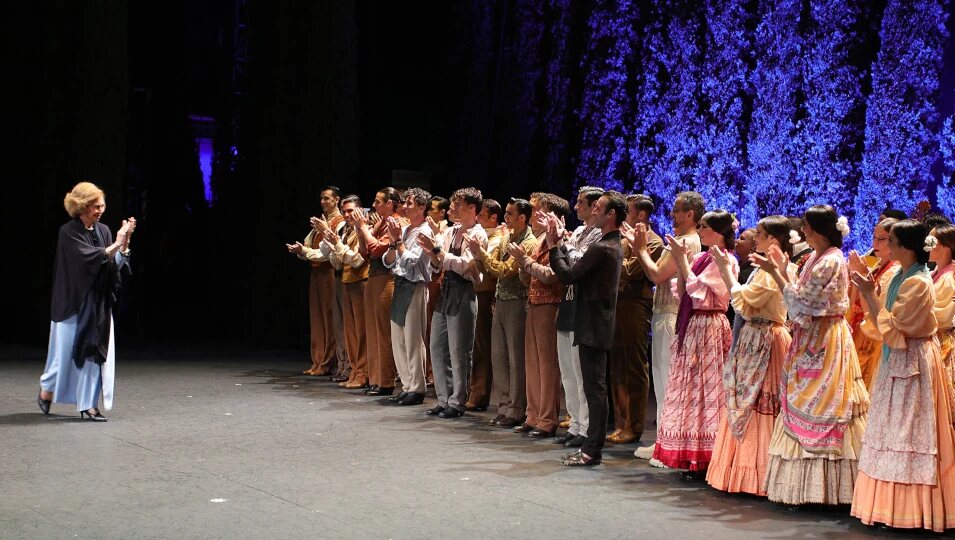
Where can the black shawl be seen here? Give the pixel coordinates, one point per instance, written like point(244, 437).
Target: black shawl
point(85, 283)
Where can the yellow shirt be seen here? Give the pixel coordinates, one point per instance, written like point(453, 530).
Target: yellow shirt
point(908, 318)
point(761, 298)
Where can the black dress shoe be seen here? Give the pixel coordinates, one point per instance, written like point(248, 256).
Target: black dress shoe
point(476, 408)
point(399, 397)
point(563, 439)
point(370, 389)
point(692, 475)
point(451, 412)
point(539, 433)
point(340, 378)
point(508, 422)
point(95, 416)
point(44, 404)
point(434, 411)
point(576, 442)
point(379, 391)
point(496, 421)
point(412, 398)
point(524, 428)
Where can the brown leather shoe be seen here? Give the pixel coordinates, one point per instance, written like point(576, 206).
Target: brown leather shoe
point(610, 436)
point(508, 422)
point(356, 384)
point(565, 423)
point(622, 437)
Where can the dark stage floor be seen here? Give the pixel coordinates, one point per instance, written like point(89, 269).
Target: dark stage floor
point(204, 443)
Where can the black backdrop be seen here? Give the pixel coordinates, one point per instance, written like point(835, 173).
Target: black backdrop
point(334, 92)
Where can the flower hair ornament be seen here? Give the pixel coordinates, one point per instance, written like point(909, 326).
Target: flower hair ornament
point(930, 243)
point(842, 225)
point(794, 237)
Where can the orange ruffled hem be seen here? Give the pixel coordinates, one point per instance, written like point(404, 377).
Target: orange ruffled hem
point(740, 466)
point(915, 506)
point(905, 506)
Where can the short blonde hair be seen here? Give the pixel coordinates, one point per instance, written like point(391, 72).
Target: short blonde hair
point(80, 197)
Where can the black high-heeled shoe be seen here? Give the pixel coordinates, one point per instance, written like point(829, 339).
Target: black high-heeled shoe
point(97, 417)
point(44, 404)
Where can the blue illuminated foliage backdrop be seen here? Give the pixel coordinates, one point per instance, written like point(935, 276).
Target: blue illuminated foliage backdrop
point(775, 84)
point(605, 108)
point(901, 132)
point(828, 133)
point(946, 188)
point(764, 106)
point(676, 111)
point(720, 174)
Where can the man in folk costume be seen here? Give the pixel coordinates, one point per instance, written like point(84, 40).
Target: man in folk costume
point(453, 323)
point(327, 341)
point(343, 252)
point(409, 307)
point(479, 395)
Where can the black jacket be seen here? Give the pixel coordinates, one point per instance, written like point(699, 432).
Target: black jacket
point(595, 277)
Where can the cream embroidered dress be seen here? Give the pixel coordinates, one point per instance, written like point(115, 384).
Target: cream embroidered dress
point(817, 437)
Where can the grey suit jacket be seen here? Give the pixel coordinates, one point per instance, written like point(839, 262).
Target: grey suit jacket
point(595, 276)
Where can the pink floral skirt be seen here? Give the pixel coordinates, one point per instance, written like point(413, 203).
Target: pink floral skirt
point(694, 393)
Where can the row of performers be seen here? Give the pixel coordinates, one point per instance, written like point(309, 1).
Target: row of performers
point(833, 385)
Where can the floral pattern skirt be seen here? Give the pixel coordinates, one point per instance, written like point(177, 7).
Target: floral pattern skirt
point(751, 382)
point(694, 394)
point(907, 469)
point(815, 458)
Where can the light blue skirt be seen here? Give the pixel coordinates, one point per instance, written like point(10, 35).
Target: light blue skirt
point(70, 384)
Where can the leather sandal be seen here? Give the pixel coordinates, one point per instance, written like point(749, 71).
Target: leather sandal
point(580, 459)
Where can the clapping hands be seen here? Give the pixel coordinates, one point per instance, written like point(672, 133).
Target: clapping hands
point(719, 257)
point(330, 237)
point(517, 251)
point(125, 233)
point(774, 260)
point(856, 264)
point(426, 242)
point(394, 227)
point(435, 226)
point(864, 282)
point(359, 218)
point(319, 224)
point(638, 236)
point(472, 244)
point(677, 246)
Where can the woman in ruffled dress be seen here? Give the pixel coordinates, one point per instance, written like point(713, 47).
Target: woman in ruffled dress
point(944, 279)
point(907, 466)
point(694, 392)
point(869, 350)
point(751, 376)
point(813, 453)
